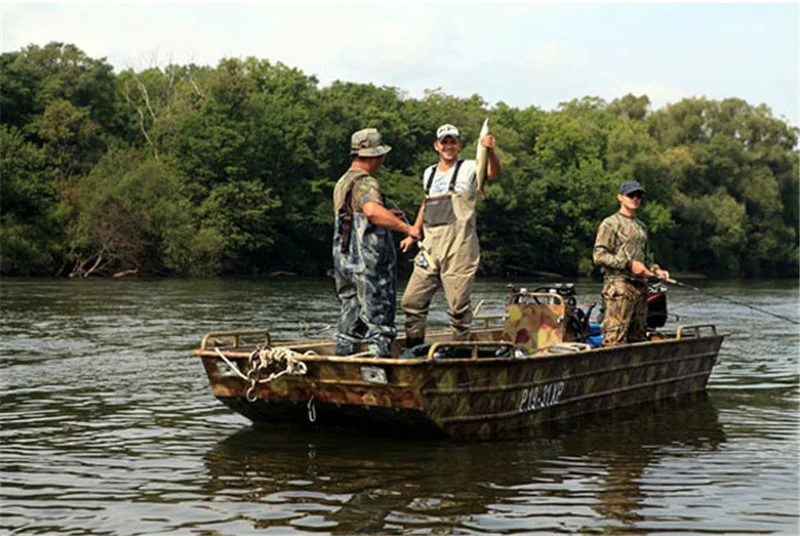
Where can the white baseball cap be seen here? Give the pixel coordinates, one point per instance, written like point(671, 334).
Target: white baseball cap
point(447, 130)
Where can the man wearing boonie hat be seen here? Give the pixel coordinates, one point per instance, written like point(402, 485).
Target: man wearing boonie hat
point(621, 252)
point(364, 258)
point(449, 252)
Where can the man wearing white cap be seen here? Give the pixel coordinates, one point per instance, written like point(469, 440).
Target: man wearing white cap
point(449, 252)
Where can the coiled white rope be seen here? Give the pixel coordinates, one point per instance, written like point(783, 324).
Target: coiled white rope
point(261, 359)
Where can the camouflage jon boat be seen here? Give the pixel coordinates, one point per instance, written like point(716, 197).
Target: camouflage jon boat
point(505, 380)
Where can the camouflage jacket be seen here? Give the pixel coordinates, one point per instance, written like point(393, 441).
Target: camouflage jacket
point(619, 241)
point(367, 189)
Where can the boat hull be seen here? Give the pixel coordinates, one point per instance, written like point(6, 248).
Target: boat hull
point(469, 397)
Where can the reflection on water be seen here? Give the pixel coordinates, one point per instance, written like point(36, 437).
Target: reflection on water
point(108, 426)
point(595, 467)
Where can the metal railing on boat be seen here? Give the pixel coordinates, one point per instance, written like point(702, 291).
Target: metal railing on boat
point(695, 328)
point(236, 337)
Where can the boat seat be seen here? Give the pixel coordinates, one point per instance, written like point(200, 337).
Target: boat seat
point(534, 320)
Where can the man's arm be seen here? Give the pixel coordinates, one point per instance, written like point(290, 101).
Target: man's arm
point(606, 253)
point(380, 216)
point(409, 240)
point(639, 268)
point(648, 268)
point(493, 169)
point(420, 212)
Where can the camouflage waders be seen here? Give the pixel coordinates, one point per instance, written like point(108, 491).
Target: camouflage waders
point(366, 282)
point(620, 240)
point(625, 311)
point(449, 257)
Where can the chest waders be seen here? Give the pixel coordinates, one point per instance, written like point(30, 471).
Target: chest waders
point(364, 263)
point(448, 258)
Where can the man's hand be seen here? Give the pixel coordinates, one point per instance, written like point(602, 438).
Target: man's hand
point(414, 235)
point(494, 169)
point(638, 268)
point(661, 274)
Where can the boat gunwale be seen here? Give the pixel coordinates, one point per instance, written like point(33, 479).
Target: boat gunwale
point(412, 361)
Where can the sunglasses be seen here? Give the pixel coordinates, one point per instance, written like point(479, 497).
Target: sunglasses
point(635, 195)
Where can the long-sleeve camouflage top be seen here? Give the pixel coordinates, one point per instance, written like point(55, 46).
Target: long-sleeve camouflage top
point(620, 240)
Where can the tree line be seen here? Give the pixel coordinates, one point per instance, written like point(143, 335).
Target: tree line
point(199, 171)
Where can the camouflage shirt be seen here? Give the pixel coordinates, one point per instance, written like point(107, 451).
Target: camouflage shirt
point(368, 189)
point(619, 241)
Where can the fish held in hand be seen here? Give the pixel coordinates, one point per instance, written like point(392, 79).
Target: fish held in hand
point(482, 157)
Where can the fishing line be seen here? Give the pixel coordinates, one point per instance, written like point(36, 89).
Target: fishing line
point(417, 241)
point(753, 307)
point(403, 212)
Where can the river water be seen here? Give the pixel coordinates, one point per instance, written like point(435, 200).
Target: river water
point(108, 426)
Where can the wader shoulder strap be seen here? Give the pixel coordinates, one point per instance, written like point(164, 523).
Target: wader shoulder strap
point(455, 176)
point(452, 180)
point(347, 218)
point(430, 179)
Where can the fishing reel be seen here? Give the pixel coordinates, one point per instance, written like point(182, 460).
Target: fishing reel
point(656, 303)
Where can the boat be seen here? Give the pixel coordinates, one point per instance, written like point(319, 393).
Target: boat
point(518, 371)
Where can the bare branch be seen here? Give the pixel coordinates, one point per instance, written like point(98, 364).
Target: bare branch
point(95, 265)
point(197, 89)
point(146, 135)
point(146, 96)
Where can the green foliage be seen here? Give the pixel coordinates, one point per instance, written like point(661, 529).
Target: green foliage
point(129, 214)
point(36, 77)
point(193, 170)
point(70, 139)
point(29, 232)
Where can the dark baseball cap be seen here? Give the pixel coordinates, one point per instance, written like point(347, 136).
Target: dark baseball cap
point(629, 187)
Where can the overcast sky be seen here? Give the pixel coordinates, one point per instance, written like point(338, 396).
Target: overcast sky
point(520, 53)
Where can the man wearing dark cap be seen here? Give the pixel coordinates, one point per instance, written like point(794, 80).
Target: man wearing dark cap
point(449, 253)
point(364, 259)
point(621, 252)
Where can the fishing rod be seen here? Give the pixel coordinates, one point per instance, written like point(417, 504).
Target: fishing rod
point(759, 309)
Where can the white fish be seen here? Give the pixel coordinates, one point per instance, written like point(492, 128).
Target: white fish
point(482, 157)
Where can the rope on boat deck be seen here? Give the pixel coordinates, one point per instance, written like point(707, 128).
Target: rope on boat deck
point(261, 360)
point(478, 308)
point(231, 365)
point(306, 331)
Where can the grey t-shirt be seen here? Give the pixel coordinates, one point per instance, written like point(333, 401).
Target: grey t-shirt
point(465, 182)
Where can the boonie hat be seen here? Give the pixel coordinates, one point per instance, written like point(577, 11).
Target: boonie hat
point(447, 130)
point(628, 187)
point(368, 143)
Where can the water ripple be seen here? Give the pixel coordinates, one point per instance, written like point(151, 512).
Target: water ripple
point(108, 426)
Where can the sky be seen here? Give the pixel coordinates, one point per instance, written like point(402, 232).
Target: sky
point(523, 53)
